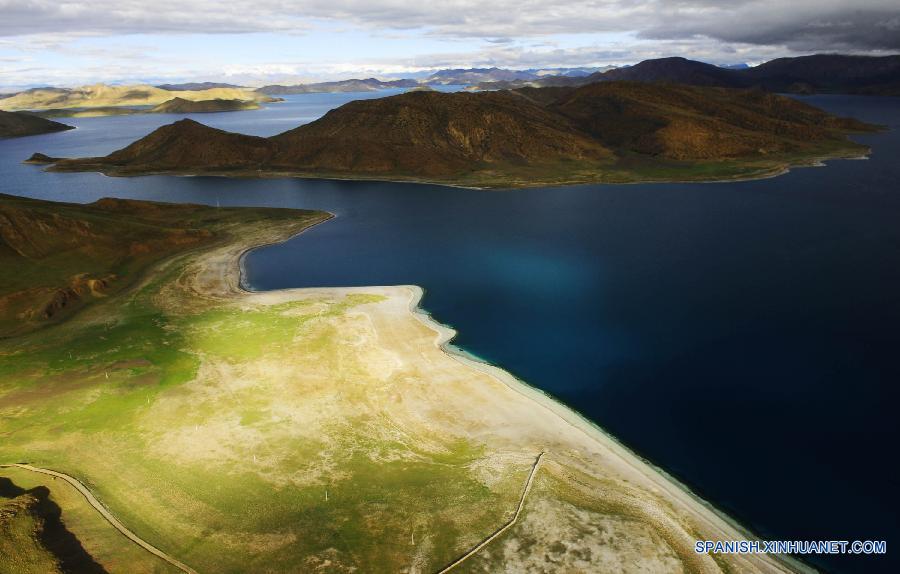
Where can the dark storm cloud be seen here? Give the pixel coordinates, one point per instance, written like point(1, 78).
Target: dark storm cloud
point(799, 25)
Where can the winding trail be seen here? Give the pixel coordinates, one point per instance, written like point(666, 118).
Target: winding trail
point(503, 528)
point(106, 514)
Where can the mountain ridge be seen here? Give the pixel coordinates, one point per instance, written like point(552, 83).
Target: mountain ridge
point(819, 73)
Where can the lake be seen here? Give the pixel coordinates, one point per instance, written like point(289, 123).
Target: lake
point(744, 337)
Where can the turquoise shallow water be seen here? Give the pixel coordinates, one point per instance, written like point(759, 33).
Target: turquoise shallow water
point(742, 336)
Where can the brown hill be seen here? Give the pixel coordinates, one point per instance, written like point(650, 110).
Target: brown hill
point(431, 134)
point(673, 122)
point(58, 257)
point(189, 145)
point(615, 131)
point(16, 124)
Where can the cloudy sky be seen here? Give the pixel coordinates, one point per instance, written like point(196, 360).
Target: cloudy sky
point(71, 42)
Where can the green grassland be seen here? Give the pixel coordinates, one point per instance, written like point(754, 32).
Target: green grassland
point(105, 396)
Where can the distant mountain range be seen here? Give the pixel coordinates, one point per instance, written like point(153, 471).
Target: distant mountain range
point(367, 85)
point(606, 131)
point(196, 86)
point(474, 76)
point(454, 77)
point(821, 73)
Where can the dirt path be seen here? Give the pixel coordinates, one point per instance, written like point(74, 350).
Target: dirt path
point(106, 514)
point(503, 528)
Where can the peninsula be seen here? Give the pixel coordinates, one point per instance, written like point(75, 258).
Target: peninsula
point(344, 433)
point(605, 132)
point(173, 106)
point(13, 124)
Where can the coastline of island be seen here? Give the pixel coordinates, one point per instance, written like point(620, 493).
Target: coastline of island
point(504, 140)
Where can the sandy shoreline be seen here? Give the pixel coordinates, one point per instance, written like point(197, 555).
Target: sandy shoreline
point(242, 271)
point(713, 523)
point(728, 527)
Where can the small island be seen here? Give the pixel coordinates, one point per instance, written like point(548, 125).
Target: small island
point(612, 132)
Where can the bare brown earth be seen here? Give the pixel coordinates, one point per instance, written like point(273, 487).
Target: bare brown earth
point(609, 132)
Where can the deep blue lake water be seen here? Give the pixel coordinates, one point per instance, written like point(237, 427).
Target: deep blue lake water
point(745, 337)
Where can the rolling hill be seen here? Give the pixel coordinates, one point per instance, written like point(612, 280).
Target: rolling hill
point(101, 95)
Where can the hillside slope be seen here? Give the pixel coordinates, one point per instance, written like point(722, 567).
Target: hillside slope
point(614, 131)
point(67, 255)
point(684, 123)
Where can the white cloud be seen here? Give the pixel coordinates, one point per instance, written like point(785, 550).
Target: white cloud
point(79, 41)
